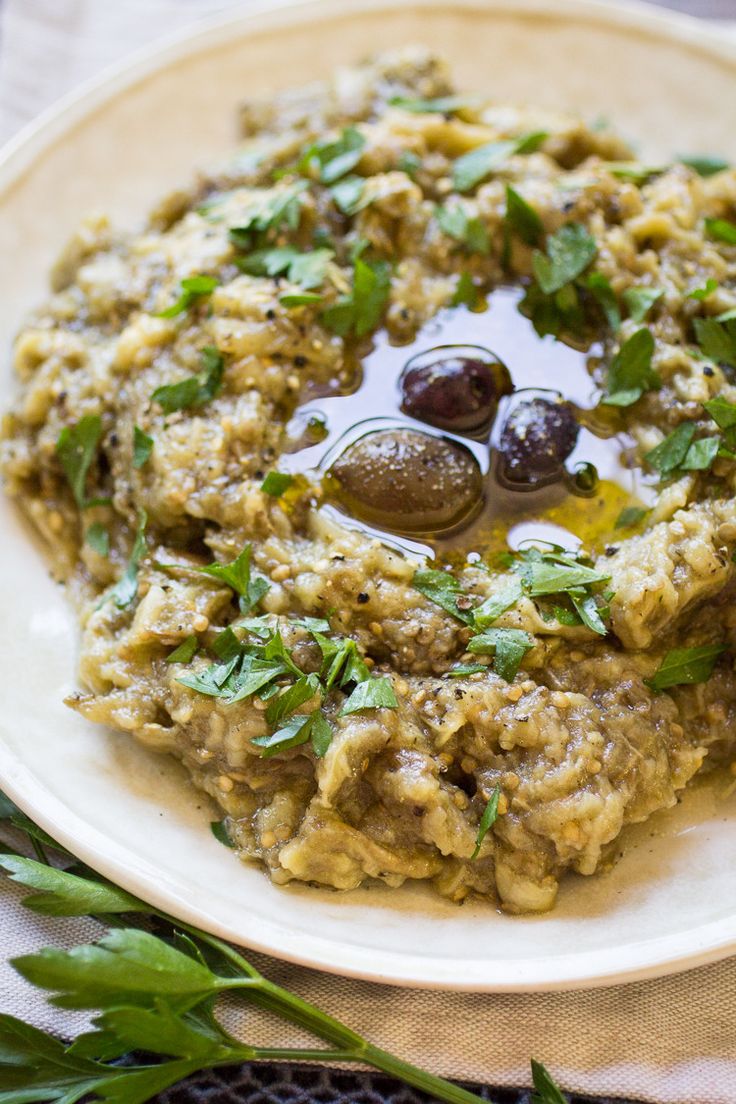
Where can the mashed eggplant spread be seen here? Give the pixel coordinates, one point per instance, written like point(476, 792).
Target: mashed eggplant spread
point(392, 469)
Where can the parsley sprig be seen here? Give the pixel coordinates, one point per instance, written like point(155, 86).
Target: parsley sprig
point(76, 449)
point(359, 312)
point(193, 391)
point(157, 994)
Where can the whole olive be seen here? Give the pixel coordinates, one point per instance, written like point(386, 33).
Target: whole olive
point(407, 481)
point(537, 437)
point(455, 387)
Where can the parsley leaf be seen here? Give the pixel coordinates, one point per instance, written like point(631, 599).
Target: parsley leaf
point(686, 666)
point(469, 231)
point(640, 300)
point(305, 299)
point(521, 219)
point(630, 516)
point(508, 647)
point(473, 167)
point(670, 453)
point(185, 652)
point(701, 454)
point(630, 373)
point(193, 288)
point(237, 575)
point(276, 483)
point(305, 269)
point(721, 230)
point(543, 577)
point(373, 693)
point(350, 194)
point(293, 734)
point(126, 587)
point(487, 820)
point(460, 670)
point(600, 288)
point(194, 391)
point(492, 608)
point(443, 105)
point(142, 447)
point(361, 311)
point(98, 538)
point(702, 293)
point(704, 165)
point(289, 700)
point(722, 412)
point(331, 160)
point(220, 832)
point(267, 210)
point(717, 339)
point(443, 589)
point(466, 293)
point(76, 448)
point(569, 252)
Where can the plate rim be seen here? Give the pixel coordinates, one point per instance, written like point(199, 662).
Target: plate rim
point(648, 958)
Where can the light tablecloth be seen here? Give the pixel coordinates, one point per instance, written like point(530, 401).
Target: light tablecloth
point(671, 1041)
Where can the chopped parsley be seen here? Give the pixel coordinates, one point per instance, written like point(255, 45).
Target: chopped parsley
point(307, 270)
point(630, 373)
point(686, 666)
point(76, 449)
point(331, 160)
point(469, 231)
point(219, 831)
point(721, 230)
point(238, 576)
point(507, 646)
point(521, 219)
point(193, 288)
point(492, 608)
point(361, 311)
point(473, 167)
point(142, 447)
point(260, 664)
point(569, 252)
point(466, 293)
point(704, 165)
point(717, 339)
point(704, 292)
point(194, 391)
point(600, 288)
point(350, 194)
point(301, 299)
point(442, 105)
point(443, 589)
point(640, 300)
point(185, 652)
point(410, 163)
point(276, 483)
point(671, 452)
point(126, 588)
point(266, 212)
point(98, 539)
point(487, 820)
point(631, 516)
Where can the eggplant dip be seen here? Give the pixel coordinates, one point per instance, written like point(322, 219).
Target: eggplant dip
point(391, 467)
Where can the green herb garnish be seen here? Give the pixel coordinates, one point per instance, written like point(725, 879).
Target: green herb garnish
point(507, 646)
point(267, 211)
point(545, 1089)
point(305, 269)
point(473, 167)
point(276, 483)
point(237, 575)
point(521, 219)
point(686, 666)
point(717, 340)
point(361, 311)
point(487, 820)
point(350, 194)
point(142, 447)
point(194, 391)
point(469, 231)
point(185, 652)
point(630, 373)
point(466, 293)
point(601, 290)
point(443, 589)
point(569, 252)
point(331, 160)
point(220, 832)
point(704, 165)
point(375, 693)
point(98, 538)
point(76, 448)
point(704, 292)
point(640, 300)
point(126, 588)
point(193, 288)
point(721, 230)
point(670, 453)
point(442, 105)
point(630, 516)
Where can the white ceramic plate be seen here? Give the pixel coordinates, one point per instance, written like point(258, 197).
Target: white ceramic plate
point(671, 901)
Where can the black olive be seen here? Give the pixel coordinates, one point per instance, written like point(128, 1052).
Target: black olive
point(455, 387)
point(407, 481)
point(537, 437)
